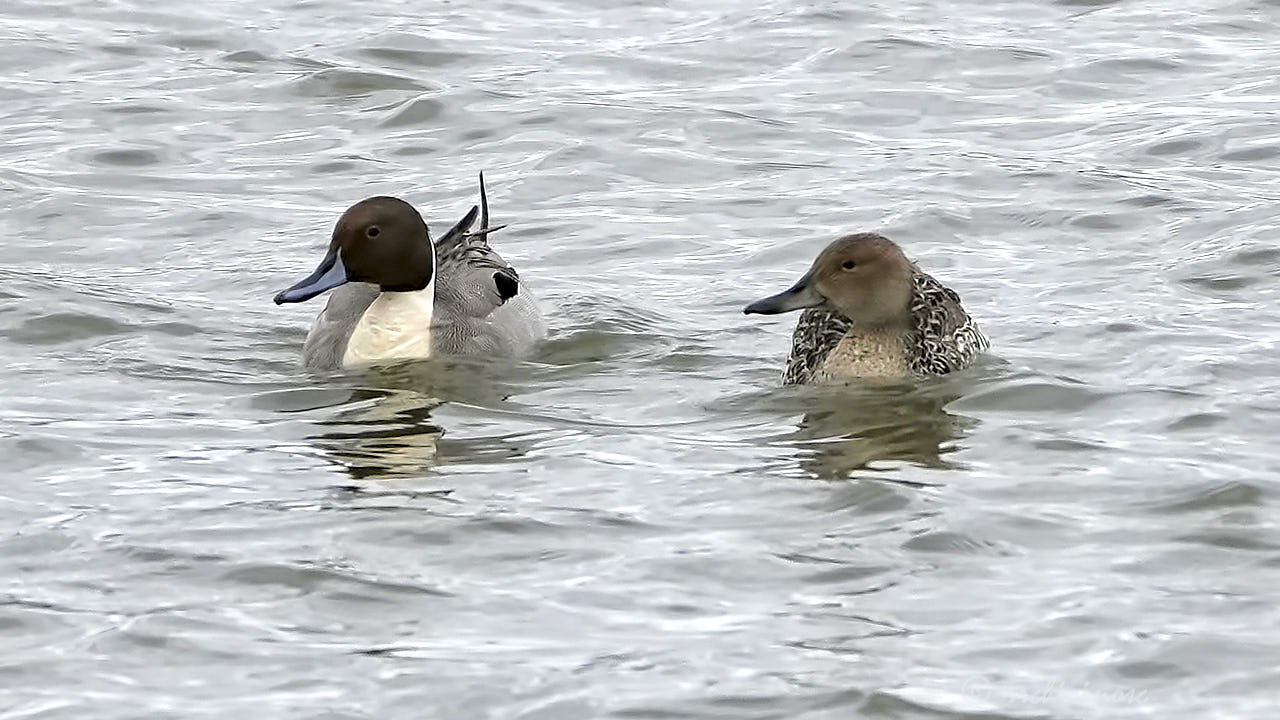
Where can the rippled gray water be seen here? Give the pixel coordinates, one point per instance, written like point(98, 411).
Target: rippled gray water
point(638, 523)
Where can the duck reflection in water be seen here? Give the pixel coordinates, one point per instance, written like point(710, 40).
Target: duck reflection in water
point(859, 427)
point(385, 429)
point(382, 434)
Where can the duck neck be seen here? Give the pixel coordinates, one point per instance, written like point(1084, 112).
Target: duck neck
point(395, 326)
point(891, 327)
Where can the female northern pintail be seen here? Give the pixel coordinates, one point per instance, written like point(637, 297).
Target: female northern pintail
point(871, 313)
point(398, 295)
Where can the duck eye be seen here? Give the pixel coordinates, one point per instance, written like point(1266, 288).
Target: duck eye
point(848, 265)
point(372, 231)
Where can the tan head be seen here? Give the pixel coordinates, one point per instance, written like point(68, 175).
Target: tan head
point(863, 276)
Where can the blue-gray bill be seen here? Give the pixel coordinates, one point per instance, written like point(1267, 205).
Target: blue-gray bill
point(798, 297)
point(330, 274)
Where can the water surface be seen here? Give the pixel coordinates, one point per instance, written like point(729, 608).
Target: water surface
point(638, 523)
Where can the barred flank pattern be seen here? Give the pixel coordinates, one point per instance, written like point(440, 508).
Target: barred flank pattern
point(943, 338)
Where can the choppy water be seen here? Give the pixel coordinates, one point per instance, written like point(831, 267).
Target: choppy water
point(639, 523)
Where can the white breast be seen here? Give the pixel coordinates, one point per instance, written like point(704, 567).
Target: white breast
point(397, 326)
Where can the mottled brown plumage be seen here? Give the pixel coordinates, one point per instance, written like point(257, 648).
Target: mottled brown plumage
point(870, 312)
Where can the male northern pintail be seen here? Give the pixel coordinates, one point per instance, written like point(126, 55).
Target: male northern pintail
point(869, 312)
point(399, 295)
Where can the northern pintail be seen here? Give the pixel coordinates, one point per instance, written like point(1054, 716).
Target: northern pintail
point(399, 295)
point(869, 312)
